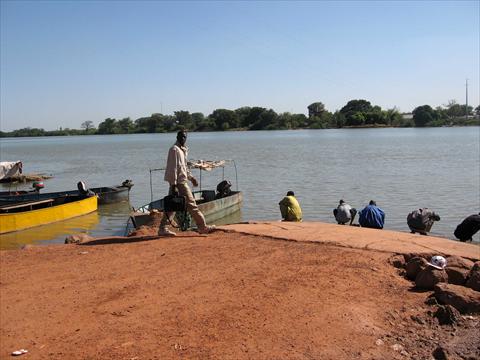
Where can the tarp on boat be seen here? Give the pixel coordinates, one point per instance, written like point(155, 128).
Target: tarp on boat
point(10, 168)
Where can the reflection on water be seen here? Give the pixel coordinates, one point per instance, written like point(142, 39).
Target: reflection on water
point(51, 233)
point(236, 217)
point(113, 219)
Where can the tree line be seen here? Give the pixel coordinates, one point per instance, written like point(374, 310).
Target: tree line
point(356, 113)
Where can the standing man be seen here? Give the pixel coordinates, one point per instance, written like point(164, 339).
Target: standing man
point(421, 220)
point(177, 175)
point(290, 208)
point(372, 216)
point(344, 213)
point(468, 227)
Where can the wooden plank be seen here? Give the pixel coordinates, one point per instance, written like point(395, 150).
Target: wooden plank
point(26, 204)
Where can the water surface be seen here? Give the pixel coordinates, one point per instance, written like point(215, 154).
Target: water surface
point(402, 169)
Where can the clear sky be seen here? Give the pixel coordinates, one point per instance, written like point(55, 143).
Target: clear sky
point(66, 62)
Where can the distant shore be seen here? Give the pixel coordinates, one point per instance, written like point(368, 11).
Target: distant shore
point(55, 133)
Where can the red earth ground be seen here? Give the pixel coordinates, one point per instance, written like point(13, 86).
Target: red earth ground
point(228, 295)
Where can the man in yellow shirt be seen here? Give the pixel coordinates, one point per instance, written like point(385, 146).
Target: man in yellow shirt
point(290, 208)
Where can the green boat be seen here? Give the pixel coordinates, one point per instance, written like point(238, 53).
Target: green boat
point(214, 205)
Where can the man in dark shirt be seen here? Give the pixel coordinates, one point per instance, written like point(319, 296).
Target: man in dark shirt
point(469, 227)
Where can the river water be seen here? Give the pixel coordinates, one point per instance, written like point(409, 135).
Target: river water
point(402, 169)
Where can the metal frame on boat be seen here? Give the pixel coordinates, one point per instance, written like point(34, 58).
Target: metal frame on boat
point(212, 206)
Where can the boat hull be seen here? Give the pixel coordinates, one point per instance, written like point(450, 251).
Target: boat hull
point(106, 195)
point(220, 208)
point(112, 195)
point(10, 222)
point(212, 210)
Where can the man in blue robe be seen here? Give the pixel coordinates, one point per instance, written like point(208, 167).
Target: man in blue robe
point(372, 216)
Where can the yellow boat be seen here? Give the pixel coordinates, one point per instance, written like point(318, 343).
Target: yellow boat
point(19, 216)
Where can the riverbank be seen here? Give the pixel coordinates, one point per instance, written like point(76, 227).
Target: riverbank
point(249, 291)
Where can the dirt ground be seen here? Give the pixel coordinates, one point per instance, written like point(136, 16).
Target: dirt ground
point(222, 296)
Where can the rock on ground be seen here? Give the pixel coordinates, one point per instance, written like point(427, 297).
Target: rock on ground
point(473, 281)
point(447, 315)
point(414, 266)
point(77, 239)
point(461, 298)
point(428, 277)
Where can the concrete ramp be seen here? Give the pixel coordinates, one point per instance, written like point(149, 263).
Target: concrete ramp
point(357, 237)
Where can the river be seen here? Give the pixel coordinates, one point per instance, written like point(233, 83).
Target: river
point(402, 169)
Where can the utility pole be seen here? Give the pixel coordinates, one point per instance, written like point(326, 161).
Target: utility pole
point(466, 99)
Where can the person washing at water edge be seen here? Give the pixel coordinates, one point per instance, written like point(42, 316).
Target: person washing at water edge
point(344, 213)
point(421, 220)
point(468, 227)
point(177, 175)
point(290, 208)
point(372, 216)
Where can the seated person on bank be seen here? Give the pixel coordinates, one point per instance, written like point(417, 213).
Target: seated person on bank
point(421, 220)
point(344, 213)
point(372, 216)
point(223, 189)
point(290, 208)
point(468, 227)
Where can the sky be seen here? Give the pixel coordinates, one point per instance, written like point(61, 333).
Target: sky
point(66, 62)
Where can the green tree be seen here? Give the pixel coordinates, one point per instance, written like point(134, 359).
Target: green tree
point(422, 115)
point(155, 123)
point(141, 125)
point(354, 106)
point(28, 131)
point(316, 109)
point(325, 120)
point(355, 112)
point(338, 119)
point(201, 123)
point(166, 123)
point(125, 126)
point(183, 119)
point(299, 120)
point(376, 116)
point(87, 125)
point(267, 120)
point(453, 109)
point(251, 116)
point(107, 126)
point(242, 115)
point(224, 119)
point(286, 121)
point(355, 119)
point(393, 116)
